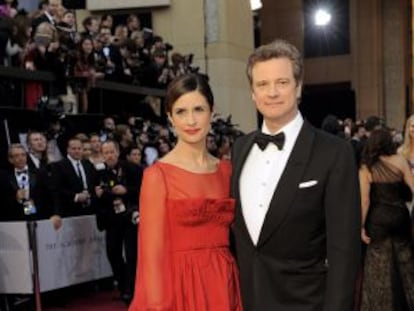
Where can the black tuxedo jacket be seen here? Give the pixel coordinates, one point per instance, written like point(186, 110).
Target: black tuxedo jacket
point(307, 255)
point(11, 209)
point(66, 184)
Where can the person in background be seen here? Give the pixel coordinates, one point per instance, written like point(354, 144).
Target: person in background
point(407, 148)
point(74, 181)
point(386, 184)
point(96, 155)
point(134, 155)
point(37, 150)
point(117, 213)
point(186, 211)
point(23, 199)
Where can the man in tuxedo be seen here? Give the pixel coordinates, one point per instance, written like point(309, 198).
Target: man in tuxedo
point(297, 226)
point(22, 198)
point(73, 180)
point(37, 154)
point(49, 14)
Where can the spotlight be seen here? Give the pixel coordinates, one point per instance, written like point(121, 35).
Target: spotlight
point(322, 17)
point(255, 4)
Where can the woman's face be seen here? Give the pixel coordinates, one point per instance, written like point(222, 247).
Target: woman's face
point(191, 116)
point(411, 129)
point(87, 46)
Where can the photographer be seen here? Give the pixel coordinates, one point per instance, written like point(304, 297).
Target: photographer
point(117, 213)
point(157, 74)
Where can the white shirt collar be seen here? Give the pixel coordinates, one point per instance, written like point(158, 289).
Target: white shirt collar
point(73, 161)
point(290, 129)
point(50, 17)
point(26, 168)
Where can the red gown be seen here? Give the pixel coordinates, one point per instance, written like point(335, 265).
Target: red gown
point(184, 263)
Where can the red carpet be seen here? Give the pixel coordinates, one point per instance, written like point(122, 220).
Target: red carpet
point(100, 301)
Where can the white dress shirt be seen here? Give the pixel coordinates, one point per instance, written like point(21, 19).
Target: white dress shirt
point(35, 160)
point(22, 180)
point(260, 175)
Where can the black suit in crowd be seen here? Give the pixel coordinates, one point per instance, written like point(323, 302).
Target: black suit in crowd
point(41, 19)
point(119, 227)
point(307, 254)
point(13, 210)
point(66, 184)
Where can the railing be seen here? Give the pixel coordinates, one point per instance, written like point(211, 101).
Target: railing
point(102, 86)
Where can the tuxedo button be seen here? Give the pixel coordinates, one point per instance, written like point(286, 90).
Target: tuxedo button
point(263, 184)
point(267, 162)
point(260, 205)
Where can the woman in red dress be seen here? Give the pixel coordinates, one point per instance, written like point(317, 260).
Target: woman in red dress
point(184, 259)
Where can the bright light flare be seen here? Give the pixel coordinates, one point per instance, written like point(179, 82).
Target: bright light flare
point(322, 17)
point(255, 4)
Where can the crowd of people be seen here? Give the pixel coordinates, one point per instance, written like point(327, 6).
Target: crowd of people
point(49, 40)
point(346, 185)
point(62, 173)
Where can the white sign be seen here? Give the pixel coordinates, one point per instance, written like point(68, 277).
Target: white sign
point(74, 254)
point(15, 261)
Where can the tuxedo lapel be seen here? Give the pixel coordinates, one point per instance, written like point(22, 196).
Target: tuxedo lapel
point(242, 153)
point(288, 183)
point(13, 181)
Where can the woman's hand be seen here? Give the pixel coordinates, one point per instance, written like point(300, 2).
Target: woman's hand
point(364, 237)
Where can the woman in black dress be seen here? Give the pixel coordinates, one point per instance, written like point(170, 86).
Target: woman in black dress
point(386, 184)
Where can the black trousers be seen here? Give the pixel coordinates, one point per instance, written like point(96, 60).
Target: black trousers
point(119, 237)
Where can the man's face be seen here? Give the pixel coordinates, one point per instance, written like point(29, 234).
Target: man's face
point(75, 149)
point(93, 27)
point(109, 124)
point(128, 137)
point(69, 18)
point(105, 35)
point(110, 154)
point(37, 143)
point(95, 143)
point(135, 156)
point(18, 158)
point(361, 132)
point(275, 91)
point(54, 6)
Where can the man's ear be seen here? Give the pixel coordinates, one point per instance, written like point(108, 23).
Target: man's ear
point(253, 97)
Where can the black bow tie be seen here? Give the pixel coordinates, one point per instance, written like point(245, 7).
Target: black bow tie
point(21, 172)
point(262, 140)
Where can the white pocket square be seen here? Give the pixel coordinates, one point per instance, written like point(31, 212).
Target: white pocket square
point(308, 184)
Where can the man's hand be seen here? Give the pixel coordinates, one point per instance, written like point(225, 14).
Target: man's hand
point(99, 191)
point(119, 190)
point(83, 197)
point(56, 221)
point(21, 194)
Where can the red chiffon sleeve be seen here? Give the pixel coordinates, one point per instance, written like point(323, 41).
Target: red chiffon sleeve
point(153, 287)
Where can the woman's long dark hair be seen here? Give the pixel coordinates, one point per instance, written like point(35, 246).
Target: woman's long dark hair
point(378, 144)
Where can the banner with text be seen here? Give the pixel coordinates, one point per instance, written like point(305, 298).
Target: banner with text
point(71, 255)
